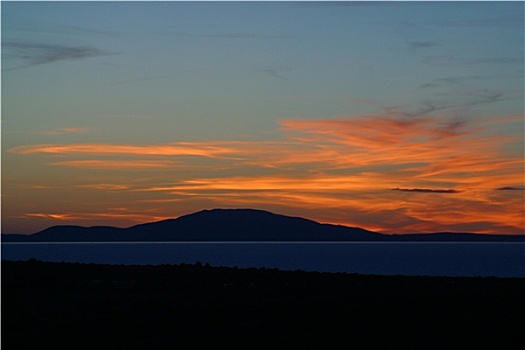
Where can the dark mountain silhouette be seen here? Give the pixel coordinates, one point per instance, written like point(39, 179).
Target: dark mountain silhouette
point(235, 225)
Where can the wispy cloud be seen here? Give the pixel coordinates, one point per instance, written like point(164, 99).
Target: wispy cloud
point(204, 149)
point(452, 101)
point(346, 3)
point(105, 186)
point(372, 131)
point(425, 190)
point(32, 27)
point(74, 130)
point(117, 164)
point(238, 36)
point(122, 215)
point(277, 72)
point(483, 22)
point(36, 53)
point(444, 82)
point(63, 131)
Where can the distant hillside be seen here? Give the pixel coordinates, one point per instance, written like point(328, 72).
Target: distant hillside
point(247, 225)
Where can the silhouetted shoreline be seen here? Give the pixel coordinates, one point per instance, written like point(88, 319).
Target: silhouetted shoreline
point(87, 306)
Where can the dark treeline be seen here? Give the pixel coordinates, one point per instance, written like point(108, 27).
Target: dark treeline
point(87, 306)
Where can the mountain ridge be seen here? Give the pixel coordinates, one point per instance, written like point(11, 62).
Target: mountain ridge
point(248, 225)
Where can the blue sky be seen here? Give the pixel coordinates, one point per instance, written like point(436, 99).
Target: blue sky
point(158, 109)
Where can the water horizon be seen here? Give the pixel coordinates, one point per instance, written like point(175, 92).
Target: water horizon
point(502, 259)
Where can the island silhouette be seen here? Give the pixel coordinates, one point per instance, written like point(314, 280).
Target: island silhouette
point(239, 225)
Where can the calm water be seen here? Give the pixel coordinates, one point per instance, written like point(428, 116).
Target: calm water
point(433, 259)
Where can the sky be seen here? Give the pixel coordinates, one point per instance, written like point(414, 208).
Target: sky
point(396, 117)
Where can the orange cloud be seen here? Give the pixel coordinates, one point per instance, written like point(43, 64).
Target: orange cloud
point(427, 148)
point(176, 149)
point(51, 216)
point(258, 183)
point(344, 168)
point(74, 130)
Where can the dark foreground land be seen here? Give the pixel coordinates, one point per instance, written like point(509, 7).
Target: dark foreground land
point(87, 306)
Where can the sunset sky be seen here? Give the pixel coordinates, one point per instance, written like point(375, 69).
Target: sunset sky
point(394, 117)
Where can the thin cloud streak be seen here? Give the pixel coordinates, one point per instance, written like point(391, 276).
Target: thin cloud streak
point(272, 183)
point(378, 210)
point(177, 149)
point(510, 188)
point(106, 187)
point(424, 190)
point(484, 22)
point(463, 61)
point(445, 82)
point(36, 54)
point(237, 36)
point(116, 164)
point(64, 131)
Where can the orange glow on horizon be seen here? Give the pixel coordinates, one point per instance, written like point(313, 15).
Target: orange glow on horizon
point(392, 175)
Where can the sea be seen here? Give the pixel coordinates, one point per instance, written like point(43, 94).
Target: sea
point(376, 258)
